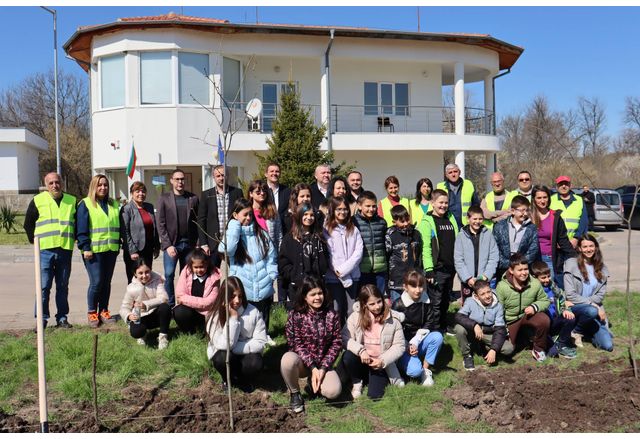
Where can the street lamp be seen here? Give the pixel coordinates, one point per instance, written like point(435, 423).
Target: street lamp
point(55, 82)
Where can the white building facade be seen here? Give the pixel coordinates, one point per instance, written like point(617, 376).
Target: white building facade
point(160, 83)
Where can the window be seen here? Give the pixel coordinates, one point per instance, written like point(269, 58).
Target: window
point(155, 78)
point(271, 100)
point(385, 98)
point(112, 81)
point(193, 74)
point(230, 80)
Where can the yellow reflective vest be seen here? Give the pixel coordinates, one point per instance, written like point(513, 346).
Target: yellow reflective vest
point(56, 224)
point(104, 230)
point(489, 199)
point(570, 214)
point(465, 198)
point(386, 206)
point(416, 212)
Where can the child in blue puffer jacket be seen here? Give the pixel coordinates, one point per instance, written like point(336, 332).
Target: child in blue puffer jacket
point(252, 257)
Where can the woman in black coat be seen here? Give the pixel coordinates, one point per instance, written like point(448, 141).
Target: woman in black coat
point(303, 250)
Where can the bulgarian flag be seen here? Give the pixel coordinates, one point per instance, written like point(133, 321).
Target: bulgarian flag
point(131, 167)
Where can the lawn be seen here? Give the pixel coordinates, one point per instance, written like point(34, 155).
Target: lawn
point(17, 236)
point(122, 365)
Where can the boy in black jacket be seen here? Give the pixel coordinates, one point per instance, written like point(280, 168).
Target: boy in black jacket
point(418, 327)
point(404, 249)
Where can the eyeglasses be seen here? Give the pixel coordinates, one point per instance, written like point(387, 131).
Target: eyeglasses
point(258, 190)
point(497, 182)
point(524, 179)
point(522, 210)
point(563, 183)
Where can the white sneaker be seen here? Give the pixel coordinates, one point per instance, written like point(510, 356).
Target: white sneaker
point(398, 382)
point(141, 341)
point(356, 391)
point(577, 339)
point(427, 378)
point(270, 341)
point(163, 341)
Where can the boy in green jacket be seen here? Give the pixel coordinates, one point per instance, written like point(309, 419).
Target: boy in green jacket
point(525, 303)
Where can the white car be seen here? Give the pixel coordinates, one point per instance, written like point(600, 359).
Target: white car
point(608, 209)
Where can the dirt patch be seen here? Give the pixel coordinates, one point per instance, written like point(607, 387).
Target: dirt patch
point(203, 409)
point(595, 397)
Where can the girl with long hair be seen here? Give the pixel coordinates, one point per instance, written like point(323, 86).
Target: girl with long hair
point(585, 282)
point(197, 289)
point(421, 204)
point(374, 341)
point(314, 340)
point(264, 210)
point(345, 252)
point(301, 193)
point(247, 335)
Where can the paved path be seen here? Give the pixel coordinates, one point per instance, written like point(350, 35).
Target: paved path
point(17, 274)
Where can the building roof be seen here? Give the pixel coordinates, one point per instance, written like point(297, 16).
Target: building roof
point(79, 45)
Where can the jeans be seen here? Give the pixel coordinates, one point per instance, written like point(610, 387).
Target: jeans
point(343, 298)
point(55, 263)
point(427, 349)
point(588, 323)
point(183, 248)
point(440, 294)
point(377, 279)
point(100, 270)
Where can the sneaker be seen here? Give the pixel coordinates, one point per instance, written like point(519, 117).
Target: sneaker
point(356, 390)
point(567, 352)
point(450, 331)
point(141, 341)
point(163, 341)
point(94, 320)
point(468, 363)
point(427, 378)
point(270, 341)
point(577, 339)
point(106, 318)
point(540, 356)
point(64, 324)
point(297, 403)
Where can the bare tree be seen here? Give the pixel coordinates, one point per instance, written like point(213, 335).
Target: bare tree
point(632, 112)
point(591, 127)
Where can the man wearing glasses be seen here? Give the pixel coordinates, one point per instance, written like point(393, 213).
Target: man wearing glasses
point(177, 215)
point(496, 204)
point(574, 212)
point(525, 184)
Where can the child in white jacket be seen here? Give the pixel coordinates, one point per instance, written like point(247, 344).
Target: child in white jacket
point(247, 335)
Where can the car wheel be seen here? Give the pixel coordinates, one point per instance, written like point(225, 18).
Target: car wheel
point(611, 228)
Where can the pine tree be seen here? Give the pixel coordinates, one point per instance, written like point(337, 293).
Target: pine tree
point(295, 142)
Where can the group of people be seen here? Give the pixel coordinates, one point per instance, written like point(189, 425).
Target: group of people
point(371, 277)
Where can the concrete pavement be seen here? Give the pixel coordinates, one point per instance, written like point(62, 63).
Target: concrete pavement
point(17, 272)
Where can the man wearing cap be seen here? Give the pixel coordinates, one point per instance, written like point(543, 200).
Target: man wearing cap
point(525, 185)
point(51, 216)
point(496, 205)
point(462, 194)
point(574, 212)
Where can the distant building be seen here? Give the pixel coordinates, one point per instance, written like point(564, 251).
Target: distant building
point(381, 94)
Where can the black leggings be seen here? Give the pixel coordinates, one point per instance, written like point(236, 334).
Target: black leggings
point(160, 317)
point(242, 366)
point(358, 371)
point(188, 319)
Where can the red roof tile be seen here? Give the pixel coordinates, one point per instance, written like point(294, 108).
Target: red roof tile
point(172, 16)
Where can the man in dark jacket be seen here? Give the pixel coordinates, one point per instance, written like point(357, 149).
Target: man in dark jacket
point(177, 214)
point(320, 187)
point(589, 202)
point(279, 193)
point(212, 216)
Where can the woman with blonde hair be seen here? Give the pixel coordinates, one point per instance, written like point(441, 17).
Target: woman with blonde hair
point(98, 235)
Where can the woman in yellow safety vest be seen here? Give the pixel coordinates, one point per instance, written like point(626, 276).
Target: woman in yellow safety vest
point(392, 186)
point(421, 204)
point(98, 226)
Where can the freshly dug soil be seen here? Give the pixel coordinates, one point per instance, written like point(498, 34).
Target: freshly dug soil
point(595, 397)
point(204, 409)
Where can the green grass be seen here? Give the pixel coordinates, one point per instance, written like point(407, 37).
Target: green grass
point(17, 236)
point(122, 363)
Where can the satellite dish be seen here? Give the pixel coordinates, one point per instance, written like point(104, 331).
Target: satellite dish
point(254, 108)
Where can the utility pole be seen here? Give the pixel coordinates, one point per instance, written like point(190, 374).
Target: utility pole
point(256, 15)
point(55, 83)
point(418, 8)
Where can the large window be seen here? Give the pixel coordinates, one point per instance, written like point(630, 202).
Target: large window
point(193, 73)
point(155, 78)
point(386, 98)
point(112, 81)
point(231, 80)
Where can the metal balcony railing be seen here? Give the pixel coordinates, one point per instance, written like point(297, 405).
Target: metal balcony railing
point(240, 121)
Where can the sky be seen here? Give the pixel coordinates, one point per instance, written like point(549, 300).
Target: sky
point(569, 51)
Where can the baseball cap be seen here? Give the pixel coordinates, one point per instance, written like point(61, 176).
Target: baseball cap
point(563, 178)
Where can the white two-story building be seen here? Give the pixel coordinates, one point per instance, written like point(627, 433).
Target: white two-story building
point(157, 82)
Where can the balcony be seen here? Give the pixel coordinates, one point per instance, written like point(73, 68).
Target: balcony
point(367, 119)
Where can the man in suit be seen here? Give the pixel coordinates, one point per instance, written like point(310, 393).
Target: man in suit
point(212, 217)
point(279, 193)
point(320, 187)
point(177, 215)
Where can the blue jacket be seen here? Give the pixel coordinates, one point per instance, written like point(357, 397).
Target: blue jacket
point(529, 245)
point(258, 275)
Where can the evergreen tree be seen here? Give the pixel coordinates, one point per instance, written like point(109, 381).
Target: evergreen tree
point(295, 142)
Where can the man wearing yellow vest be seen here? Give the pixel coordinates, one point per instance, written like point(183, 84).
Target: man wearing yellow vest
point(51, 217)
point(496, 204)
point(574, 212)
point(462, 194)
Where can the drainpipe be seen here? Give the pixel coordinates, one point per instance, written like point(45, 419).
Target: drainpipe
point(493, 90)
point(327, 72)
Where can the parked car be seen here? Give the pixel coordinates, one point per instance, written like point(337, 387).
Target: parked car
point(626, 193)
point(608, 208)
